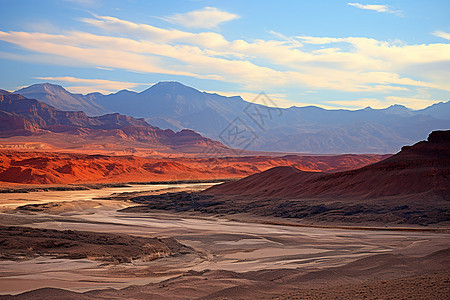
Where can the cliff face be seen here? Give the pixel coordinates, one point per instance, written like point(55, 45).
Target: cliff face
point(422, 168)
point(16, 125)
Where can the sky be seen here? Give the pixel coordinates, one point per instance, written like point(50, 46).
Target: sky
point(332, 54)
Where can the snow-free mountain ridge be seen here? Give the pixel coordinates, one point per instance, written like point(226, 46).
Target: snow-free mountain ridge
point(296, 129)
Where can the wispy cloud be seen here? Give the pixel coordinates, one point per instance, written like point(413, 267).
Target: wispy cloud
point(375, 7)
point(208, 17)
point(155, 34)
point(442, 34)
point(92, 50)
point(363, 62)
point(91, 85)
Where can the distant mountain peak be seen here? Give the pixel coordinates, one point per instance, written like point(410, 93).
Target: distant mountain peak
point(54, 85)
point(46, 88)
point(170, 86)
point(440, 110)
point(398, 109)
point(49, 87)
point(397, 106)
point(170, 83)
point(437, 104)
point(95, 94)
point(57, 96)
point(125, 91)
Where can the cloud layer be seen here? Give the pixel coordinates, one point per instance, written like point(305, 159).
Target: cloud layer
point(374, 7)
point(442, 34)
point(208, 17)
point(345, 64)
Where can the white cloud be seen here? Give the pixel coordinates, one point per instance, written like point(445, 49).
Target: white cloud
point(374, 7)
point(93, 50)
point(156, 34)
point(348, 64)
point(442, 34)
point(208, 17)
point(319, 40)
point(103, 68)
point(321, 64)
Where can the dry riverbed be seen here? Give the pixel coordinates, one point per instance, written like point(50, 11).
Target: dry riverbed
point(226, 258)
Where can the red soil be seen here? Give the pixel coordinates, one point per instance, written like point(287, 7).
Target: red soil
point(33, 167)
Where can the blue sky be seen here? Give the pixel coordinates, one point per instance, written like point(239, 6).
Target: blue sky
point(333, 54)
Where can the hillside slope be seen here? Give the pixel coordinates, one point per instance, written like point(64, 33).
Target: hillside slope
point(422, 168)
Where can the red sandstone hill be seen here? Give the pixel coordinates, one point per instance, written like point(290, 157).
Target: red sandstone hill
point(420, 169)
point(39, 122)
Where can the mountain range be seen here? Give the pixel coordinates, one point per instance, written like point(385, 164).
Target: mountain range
point(20, 116)
point(310, 129)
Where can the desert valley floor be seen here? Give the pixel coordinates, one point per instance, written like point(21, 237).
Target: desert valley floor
point(238, 257)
